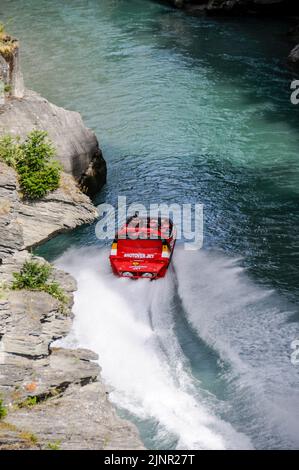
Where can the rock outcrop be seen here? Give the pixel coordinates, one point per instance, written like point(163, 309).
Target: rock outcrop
point(22, 110)
point(55, 396)
point(10, 231)
point(25, 224)
point(10, 72)
point(76, 146)
point(267, 7)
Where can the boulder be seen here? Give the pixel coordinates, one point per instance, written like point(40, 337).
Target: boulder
point(76, 146)
point(46, 214)
point(25, 224)
point(228, 7)
point(54, 396)
point(11, 237)
point(10, 71)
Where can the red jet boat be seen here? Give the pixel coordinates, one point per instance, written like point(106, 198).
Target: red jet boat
point(143, 247)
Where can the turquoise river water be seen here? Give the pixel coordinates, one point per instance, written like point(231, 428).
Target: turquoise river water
point(187, 110)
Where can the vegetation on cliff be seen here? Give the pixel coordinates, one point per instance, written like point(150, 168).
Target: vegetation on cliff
point(36, 276)
point(7, 44)
point(3, 411)
point(33, 159)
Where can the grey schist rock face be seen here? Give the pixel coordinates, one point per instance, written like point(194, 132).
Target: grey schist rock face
point(11, 238)
point(59, 211)
point(22, 110)
point(24, 224)
point(79, 414)
point(10, 74)
point(251, 6)
point(70, 406)
point(55, 397)
point(76, 146)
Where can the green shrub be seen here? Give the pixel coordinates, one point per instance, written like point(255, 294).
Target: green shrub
point(36, 276)
point(10, 150)
point(54, 445)
point(29, 402)
point(3, 411)
point(36, 185)
point(3, 291)
point(7, 88)
point(7, 44)
point(56, 291)
point(33, 276)
point(28, 436)
point(39, 172)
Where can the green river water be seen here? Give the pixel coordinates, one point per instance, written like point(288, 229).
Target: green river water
point(186, 110)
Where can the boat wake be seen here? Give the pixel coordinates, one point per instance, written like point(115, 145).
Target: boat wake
point(131, 325)
point(249, 328)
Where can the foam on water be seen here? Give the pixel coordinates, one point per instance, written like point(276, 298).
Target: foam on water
point(248, 326)
point(130, 325)
point(187, 110)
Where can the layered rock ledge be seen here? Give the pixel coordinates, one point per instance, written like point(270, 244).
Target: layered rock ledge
point(264, 8)
point(238, 7)
point(76, 146)
point(22, 110)
point(25, 224)
point(55, 397)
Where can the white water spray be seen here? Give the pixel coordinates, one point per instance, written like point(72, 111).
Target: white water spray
point(130, 325)
point(248, 326)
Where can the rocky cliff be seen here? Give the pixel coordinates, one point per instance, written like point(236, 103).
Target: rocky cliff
point(22, 110)
point(55, 396)
point(25, 224)
point(77, 147)
point(265, 8)
point(11, 77)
